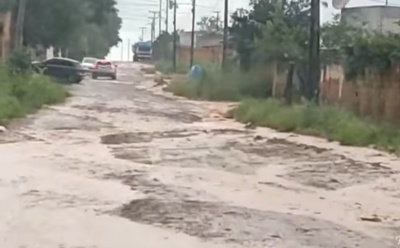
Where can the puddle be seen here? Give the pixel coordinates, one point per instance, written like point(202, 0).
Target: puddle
point(247, 227)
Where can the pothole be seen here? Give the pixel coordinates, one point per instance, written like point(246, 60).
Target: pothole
point(144, 137)
point(316, 167)
point(218, 157)
point(171, 114)
point(248, 227)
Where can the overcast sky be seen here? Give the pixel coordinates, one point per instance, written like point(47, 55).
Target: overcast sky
point(136, 14)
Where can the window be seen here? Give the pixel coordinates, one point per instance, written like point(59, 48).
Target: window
point(89, 60)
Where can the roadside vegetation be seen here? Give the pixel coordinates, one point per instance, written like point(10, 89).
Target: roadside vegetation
point(275, 34)
point(319, 120)
point(23, 92)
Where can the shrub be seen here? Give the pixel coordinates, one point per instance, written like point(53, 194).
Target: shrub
point(217, 85)
point(329, 122)
point(23, 93)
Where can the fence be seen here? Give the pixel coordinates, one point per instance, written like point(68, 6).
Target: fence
point(373, 94)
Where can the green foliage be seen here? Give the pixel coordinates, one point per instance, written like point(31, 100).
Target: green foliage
point(217, 85)
point(76, 27)
point(22, 94)
point(329, 122)
point(166, 67)
point(6, 5)
point(19, 62)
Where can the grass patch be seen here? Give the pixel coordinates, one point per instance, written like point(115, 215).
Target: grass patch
point(324, 121)
point(166, 67)
point(217, 85)
point(22, 94)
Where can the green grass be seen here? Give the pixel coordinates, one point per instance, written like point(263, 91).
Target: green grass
point(166, 67)
point(324, 121)
point(217, 85)
point(22, 94)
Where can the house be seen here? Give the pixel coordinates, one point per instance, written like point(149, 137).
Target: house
point(208, 47)
point(201, 39)
point(383, 19)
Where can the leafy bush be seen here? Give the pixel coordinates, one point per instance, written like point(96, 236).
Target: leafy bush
point(22, 94)
point(166, 67)
point(19, 62)
point(329, 122)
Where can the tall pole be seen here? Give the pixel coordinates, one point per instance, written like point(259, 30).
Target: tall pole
point(153, 25)
point(159, 18)
point(175, 38)
point(122, 50)
point(20, 23)
point(193, 33)
point(314, 53)
point(218, 20)
point(166, 15)
point(129, 50)
point(225, 35)
point(387, 2)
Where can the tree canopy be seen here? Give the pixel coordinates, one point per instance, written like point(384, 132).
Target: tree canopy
point(78, 28)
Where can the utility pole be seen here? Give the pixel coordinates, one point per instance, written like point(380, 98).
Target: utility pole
point(175, 38)
point(129, 50)
point(122, 50)
point(314, 53)
point(225, 34)
point(153, 25)
point(143, 29)
point(218, 20)
point(166, 14)
point(159, 18)
point(19, 27)
point(387, 2)
point(193, 33)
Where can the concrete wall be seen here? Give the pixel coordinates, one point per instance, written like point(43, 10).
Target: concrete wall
point(374, 18)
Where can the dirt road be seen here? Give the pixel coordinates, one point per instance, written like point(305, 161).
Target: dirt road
point(121, 166)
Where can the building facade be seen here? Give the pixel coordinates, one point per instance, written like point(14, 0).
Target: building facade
point(382, 19)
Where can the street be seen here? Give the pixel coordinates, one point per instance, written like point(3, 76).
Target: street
point(122, 164)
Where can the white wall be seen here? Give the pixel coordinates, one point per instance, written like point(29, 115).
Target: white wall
point(374, 18)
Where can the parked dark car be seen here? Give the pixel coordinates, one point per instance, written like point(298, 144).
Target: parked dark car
point(64, 69)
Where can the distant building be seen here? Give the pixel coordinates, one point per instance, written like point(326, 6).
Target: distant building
point(383, 19)
point(201, 39)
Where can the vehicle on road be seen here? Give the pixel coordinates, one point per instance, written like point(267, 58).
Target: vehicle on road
point(142, 51)
point(104, 68)
point(89, 63)
point(63, 69)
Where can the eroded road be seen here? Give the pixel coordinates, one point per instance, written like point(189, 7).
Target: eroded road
point(121, 166)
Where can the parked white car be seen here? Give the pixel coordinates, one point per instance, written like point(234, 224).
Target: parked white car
point(89, 63)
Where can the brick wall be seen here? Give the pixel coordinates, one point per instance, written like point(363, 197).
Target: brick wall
point(201, 54)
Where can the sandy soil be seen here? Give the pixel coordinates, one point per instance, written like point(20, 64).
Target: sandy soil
point(124, 165)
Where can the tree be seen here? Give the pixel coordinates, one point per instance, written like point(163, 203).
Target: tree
point(210, 24)
point(81, 27)
point(6, 5)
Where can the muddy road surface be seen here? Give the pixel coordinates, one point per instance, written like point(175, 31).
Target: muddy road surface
point(123, 165)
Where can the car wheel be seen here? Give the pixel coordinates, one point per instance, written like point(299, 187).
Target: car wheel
point(114, 77)
point(135, 59)
point(94, 76)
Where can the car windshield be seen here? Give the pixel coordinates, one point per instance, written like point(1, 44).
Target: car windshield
point(89, 60)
